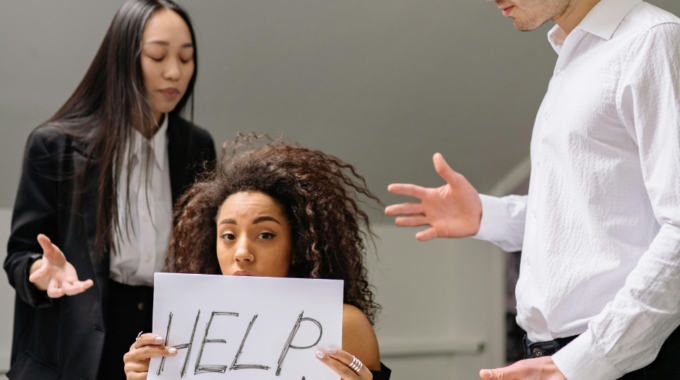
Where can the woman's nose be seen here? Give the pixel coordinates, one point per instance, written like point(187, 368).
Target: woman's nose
point(243, 253)
point(172, 70)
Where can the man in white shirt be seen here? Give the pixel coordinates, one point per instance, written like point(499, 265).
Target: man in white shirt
point(599, 280)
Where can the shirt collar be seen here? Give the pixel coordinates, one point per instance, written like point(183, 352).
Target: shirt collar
point(158, 142)
point(602, 21)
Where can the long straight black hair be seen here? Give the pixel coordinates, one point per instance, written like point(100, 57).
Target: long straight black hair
point(110, 103)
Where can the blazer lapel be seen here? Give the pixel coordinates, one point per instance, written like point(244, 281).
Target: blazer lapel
point(88, 210)
point(179, 141)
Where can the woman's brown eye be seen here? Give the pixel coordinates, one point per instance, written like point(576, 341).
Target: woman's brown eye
point(266, 236)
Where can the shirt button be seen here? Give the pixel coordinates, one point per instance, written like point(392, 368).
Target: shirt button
point(537, 352)
point(147, 258)
point(146, 217)
point(140, 306)
point(545, 116)
point(560, 72)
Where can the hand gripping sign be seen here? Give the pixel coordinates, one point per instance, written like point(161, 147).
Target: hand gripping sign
point(234, 327)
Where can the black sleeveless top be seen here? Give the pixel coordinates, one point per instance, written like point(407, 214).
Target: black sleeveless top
point(383, 374)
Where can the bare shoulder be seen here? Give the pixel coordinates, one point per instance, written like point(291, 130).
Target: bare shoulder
point(358, 337)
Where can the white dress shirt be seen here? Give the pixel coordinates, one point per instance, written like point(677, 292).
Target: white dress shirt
point(600, 228)
point(143, 240)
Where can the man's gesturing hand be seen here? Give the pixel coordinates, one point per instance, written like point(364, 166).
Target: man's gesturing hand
point(531, 369)
point(453, 210)
point(54, 274)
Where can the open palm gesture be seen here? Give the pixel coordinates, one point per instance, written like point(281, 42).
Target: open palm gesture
point(54, 274)
point(453, 210)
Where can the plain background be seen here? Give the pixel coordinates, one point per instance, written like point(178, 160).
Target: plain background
point(382, 84)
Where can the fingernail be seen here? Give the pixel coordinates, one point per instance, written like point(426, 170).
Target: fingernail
point(332, 351)
point(172, 350)
point(159, 339)
point(488, 374)
point(320, 354)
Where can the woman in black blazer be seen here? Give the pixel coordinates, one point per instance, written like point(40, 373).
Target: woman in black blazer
point(121, 126)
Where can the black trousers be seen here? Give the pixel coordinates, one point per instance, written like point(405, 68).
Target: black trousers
point(665, 366)
point(130, 310)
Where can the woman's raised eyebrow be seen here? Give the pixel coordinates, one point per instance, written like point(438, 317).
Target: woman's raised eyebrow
point(265, 218)
point(228, 221)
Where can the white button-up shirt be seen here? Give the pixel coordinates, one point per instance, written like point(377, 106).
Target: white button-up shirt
point(143, 240)
point(600, 228)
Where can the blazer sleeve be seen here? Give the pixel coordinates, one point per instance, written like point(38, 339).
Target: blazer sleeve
point(34, 213)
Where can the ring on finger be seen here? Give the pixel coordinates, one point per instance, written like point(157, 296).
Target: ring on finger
point(356, 364)
point(137, 339)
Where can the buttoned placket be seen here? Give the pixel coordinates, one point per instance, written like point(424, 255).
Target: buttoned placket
point(145, 201)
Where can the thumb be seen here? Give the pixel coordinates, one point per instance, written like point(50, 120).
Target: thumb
point(444, 170)
point(486, 374)
point(39, 274)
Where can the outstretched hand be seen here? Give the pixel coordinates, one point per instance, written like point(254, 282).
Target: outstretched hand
point(54, 274)
point(530, 369)
point(453, 210)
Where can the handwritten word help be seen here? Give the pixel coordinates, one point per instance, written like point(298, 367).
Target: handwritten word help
point(245, 328)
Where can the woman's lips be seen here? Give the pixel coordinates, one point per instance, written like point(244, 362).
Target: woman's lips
point(170, 93)
point(506, 11)
point(242, 273)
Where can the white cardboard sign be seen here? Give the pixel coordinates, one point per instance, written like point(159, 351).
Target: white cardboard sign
point(235, 327)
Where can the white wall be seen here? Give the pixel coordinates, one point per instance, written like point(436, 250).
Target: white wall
point(442, 314)
point(6, 296)
point(382, 84)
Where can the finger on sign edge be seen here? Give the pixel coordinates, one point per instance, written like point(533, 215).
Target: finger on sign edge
point(427, 235)
point(411, 221)
point(338, 367)
point(137, 375)
point(408, 190)
point(346, 358)
point(404, 209)
point(136, 365)
point(149, 339)
point(147, 352)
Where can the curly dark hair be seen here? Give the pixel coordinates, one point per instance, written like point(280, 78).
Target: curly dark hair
point(320, 197)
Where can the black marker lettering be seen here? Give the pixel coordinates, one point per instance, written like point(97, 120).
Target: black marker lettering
point(234, 364)
point(180, 346)
point(289, 342)
point(208, 368)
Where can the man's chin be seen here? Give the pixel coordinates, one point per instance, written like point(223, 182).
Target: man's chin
point(524, 25)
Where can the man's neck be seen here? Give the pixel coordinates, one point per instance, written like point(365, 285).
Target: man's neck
point(575, 12)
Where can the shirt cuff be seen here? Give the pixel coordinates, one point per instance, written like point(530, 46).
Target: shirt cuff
point(494, 218)
point(582, 359)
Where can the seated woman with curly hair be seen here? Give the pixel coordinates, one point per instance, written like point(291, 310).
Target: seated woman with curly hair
point(278, 210)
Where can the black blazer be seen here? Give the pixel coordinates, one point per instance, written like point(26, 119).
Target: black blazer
point(64, 337)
